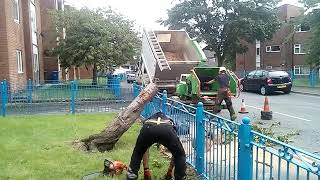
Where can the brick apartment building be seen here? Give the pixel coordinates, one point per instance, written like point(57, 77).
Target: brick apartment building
point(49, 40)
point(26, 37)
point(20, 44)
point(283, 51)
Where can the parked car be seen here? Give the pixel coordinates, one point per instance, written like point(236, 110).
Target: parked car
point(131, 77)
point(267, 81)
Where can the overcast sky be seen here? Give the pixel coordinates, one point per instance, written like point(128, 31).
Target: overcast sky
point(144, 12)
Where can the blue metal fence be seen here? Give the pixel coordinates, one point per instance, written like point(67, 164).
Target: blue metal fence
point(222, 149)
point(64, 97)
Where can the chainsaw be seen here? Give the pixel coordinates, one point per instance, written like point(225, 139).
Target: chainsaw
point(110, 169)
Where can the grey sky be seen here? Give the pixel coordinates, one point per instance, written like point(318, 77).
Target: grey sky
point(144, 12)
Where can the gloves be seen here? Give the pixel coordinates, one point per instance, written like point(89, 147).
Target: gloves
point(147, 174)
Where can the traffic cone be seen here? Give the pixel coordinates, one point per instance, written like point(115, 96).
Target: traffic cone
point(266, 114)
point(243, 108)
point(266, 107)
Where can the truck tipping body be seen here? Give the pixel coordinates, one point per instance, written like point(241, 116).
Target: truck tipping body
point(165, 55)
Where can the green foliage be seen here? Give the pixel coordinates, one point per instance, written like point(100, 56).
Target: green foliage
point(102, 38)
point(39, 147)
point(268, 131)
point(222, 24)
point(313, 45)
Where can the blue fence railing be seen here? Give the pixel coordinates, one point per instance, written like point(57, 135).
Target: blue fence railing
point(64, 97)
point(216, 147)
point(219, 148)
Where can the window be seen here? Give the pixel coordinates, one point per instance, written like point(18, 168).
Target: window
point(258, 52)
point(19, 61)
point(16, 12)
point(301, 70)
point(60, 5)
point(273, 48)
point(278, 74)
point(303, 28)
point(268, 67)
point(298, 49)
point(259, 74)
point(250, 75)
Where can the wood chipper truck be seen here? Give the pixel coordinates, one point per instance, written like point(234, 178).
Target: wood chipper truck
point(165, 55)
point(192, 87)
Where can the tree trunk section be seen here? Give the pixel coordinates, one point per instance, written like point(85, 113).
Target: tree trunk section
point(220, 60)
point(106, 139)
point(94, 74)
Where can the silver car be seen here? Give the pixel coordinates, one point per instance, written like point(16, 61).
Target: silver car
point(131, 77)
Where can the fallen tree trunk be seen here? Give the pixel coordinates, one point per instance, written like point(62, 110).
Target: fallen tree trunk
point(106, 139)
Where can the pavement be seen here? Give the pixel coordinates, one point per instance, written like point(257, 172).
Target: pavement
point(306, 90)
point(294, 112)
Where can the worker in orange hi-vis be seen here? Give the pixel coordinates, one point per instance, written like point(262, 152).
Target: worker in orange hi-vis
point(223, 93)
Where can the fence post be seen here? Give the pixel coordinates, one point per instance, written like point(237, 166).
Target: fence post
point(135, 89)
point(199, 139)
point(4, 92)
point(29, 90)
point(245, 150)
point(313, 79)
point(117, 87)
point(72, 97)
point(164, 102)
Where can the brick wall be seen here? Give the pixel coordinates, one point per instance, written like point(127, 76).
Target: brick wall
point(285, 59)
point(28, 39)
point(15, 40)
point(4, 73)
point(48, 38)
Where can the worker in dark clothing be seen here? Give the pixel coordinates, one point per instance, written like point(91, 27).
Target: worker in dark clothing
point(223, 93)
point(158, 129)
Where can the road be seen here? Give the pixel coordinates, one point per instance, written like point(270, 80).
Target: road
point(295, 112)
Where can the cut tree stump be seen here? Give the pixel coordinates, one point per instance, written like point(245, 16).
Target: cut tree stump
point(106, 139)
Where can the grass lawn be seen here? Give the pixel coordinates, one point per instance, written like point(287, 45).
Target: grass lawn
point(39, 147)
point(54, 92)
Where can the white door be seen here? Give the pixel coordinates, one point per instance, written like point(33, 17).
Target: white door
point(258, 54)
point(35, 67)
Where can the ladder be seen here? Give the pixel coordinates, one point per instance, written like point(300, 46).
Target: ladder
point(157, 51)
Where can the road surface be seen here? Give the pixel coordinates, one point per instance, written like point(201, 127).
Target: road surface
point(295, 112)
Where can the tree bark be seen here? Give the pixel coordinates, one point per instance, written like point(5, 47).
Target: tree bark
point(94, 74)
point(106, 139)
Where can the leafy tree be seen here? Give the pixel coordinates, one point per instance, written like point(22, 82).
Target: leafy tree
point(312, 18)
point(221, 24)
point(102, 39)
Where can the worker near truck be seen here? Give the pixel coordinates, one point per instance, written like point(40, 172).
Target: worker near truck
point(223, 93)
point(158, 129)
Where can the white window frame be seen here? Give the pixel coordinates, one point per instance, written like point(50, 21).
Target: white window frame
point(299, 46)
point(268, 67)
point(269, 48)
point(19, 61)
point(299, 68)
point(18, 11)
point(298, 29)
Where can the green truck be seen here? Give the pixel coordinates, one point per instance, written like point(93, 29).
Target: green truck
point(192, 87)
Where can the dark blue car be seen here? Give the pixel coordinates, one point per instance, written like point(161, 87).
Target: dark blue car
point(267, 81)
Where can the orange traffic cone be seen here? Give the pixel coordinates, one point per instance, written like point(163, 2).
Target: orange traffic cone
point(266, 114)
point(266, 107)
point(243, 108)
